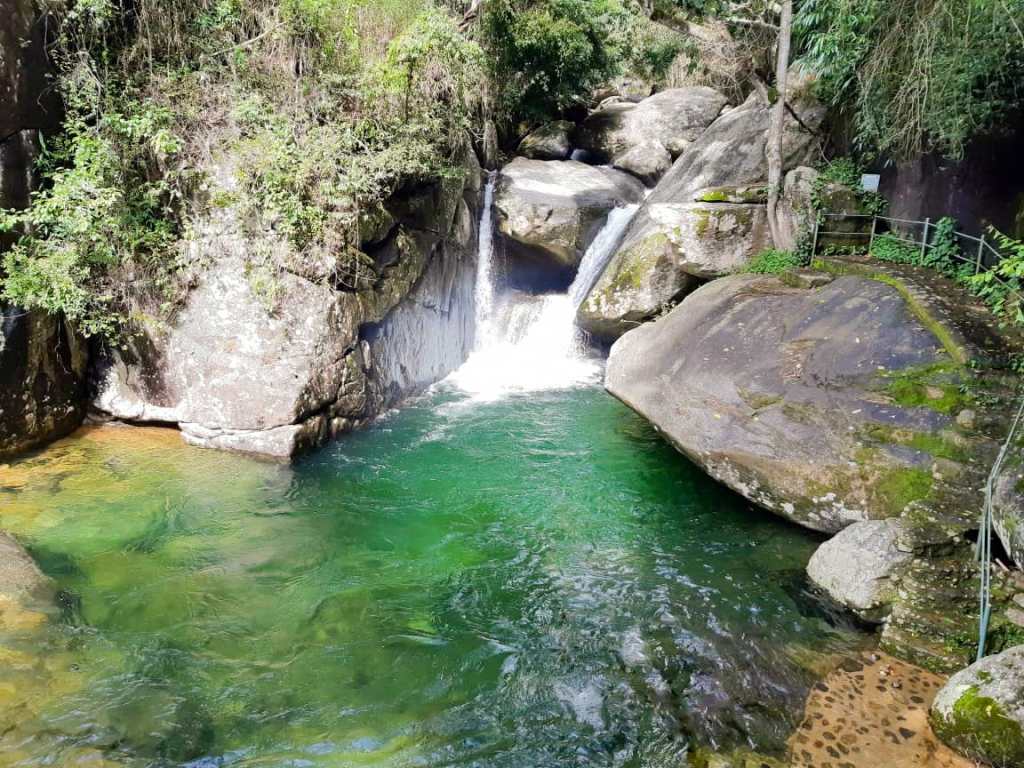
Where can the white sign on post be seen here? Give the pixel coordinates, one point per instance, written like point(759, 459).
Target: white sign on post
point(869, 182)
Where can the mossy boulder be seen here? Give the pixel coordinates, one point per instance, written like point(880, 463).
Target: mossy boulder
point(705, 218)
point(980, 711)
point(787, 395)
point(695, 241)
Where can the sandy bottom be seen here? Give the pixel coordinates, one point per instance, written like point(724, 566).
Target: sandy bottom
point(872, 713)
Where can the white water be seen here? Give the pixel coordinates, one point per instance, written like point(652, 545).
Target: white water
point(528, 343)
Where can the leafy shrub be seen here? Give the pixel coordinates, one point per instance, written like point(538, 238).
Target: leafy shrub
point(890, 248)
point(548, 54)
point(1001, 287)
point(773, 262)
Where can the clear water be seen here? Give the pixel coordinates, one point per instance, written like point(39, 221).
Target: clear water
point(532, 581)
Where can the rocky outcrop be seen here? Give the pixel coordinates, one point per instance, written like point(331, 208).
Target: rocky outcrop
point(980, 711)
point(42, 361)
point(549, 212)
point(273, 370)
point(704, 219)
point(42, 379)
point(552, 141)
point(857, 567)
point(659, 127)
point(828, 405)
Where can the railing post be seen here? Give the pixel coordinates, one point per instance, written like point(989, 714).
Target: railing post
point(981, 251)
point(874, 228)
point(924, 240)
point(814, 242)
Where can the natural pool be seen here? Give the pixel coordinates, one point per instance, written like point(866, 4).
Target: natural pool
point(533, 581)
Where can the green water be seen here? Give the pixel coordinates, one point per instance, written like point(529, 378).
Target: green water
point(537, 581)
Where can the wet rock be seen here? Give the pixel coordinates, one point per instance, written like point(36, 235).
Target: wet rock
point(671, 119)
point(549, 142)
point(549, 211)
point(690, 227)
point(980, 711)
point(858, 566)
point(807, 401)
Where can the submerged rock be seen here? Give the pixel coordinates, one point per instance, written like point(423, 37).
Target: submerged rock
point(828, 405)
point(857, 567)
point(980, 711)
point(704, 219)
point(548, 212)
point(20, 577)
point(549, 142)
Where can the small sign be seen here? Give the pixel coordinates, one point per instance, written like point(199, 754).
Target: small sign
point(869, 182)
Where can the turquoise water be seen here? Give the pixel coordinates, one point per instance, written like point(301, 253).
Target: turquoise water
point(536, 581)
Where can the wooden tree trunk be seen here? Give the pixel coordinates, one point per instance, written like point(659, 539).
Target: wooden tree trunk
point(780, 235)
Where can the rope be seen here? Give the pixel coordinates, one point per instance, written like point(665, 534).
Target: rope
point(983, 550)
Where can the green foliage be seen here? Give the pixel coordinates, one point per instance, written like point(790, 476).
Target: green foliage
point(890, 248)
point(1001, 287)
point(916, 75)
point(773, 262)
point(106, 219)
point(320, 107)
point(548, 54)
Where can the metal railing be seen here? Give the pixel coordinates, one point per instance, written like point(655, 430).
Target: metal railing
point(980, 254)
point(984, 255)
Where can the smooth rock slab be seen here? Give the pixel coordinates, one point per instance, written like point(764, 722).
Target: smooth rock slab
point(20, 577)
point(858, 565)
point(980, 711)
point(781, 393)
point(549, 142)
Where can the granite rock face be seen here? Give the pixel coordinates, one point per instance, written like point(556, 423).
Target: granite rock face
point(858, 566)
point(548, 212)
point(552, 141)
point(706, 217)
point(237, 371)
point(829, 405)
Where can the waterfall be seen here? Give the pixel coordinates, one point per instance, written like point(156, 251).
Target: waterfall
point(484, 291)
point(526, 342)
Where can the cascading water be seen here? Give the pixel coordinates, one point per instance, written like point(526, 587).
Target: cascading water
point(526, 342)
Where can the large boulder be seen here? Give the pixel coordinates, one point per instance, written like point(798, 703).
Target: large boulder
point(980, 711)
point(548, 212)
point(858, 567)
point(828, 404)
point(666, 122)
point(272, 364)
point(705, 217)
point(552, 141)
